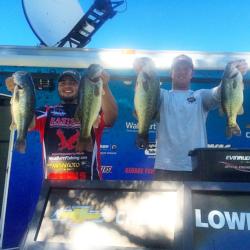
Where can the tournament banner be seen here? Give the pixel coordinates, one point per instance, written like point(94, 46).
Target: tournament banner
point(120, 158)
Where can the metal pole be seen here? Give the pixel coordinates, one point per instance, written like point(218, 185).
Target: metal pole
point(6, 186)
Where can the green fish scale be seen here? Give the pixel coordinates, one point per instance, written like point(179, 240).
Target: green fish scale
point(90, 108)
point(145, 104)
point(232, 100)
point(24, 112)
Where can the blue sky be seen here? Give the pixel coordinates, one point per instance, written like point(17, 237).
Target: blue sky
point(214, 25)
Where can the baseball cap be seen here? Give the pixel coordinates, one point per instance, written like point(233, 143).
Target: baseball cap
point(182, 59)
point(74, 74)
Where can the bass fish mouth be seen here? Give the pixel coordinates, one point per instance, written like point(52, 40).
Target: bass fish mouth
point(19, 86)
point(146, 75)
point(94, 79)
point(94, 72)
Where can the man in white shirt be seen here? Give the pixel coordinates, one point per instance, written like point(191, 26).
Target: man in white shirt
point(182, 126)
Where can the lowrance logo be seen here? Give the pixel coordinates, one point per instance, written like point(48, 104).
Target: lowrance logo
point(218, 220)
point(237, 157)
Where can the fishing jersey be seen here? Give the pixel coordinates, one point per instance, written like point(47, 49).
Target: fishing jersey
point(59, 132)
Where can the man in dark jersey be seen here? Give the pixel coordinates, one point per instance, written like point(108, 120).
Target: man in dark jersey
point(59, 132)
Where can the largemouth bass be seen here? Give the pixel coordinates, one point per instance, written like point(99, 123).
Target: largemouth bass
point(22, 107)
point(146, 101)
point(232, 87)
point(89, 105)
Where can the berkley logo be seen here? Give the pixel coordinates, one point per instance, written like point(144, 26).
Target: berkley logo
point(238, 157)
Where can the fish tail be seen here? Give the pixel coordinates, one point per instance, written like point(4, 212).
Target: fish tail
point(233, 130)
point(142, 141)
point(20, 145)
point(84, 144)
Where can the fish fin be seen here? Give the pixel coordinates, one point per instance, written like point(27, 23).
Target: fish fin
point(136, 84)
point(16, 95)
point(97, 90)
point(235, 84)
point(97, 122)
point(84, 144)
point(12, 125)
point(142, 141)
point(241, 111)
point(135, 114)
point(32, 124)
point(221, 112)
point(230, 131)
point(145, 85)
point(156, 116)
point(157, 113)
point(9, 82)
point(20, 146)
